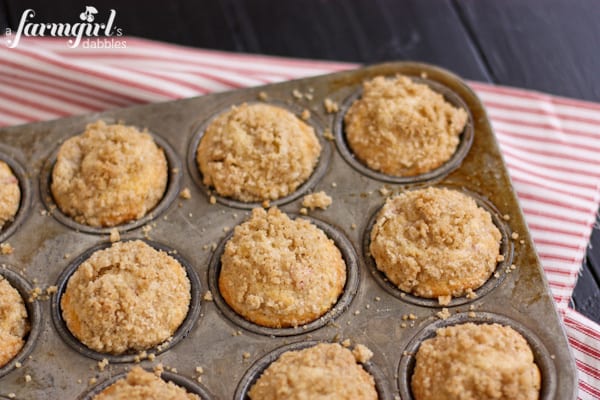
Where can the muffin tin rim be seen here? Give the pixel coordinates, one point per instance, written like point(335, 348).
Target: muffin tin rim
point(304, 188)
point(174, 178)
point(506, 250)
point(351, 286)
point(191, 319)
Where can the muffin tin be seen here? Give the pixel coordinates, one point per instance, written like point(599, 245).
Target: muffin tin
point(48, 245)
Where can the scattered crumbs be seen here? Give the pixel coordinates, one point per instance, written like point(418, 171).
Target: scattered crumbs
point(151, 356)
point(496, 275)
point(348, 323)
point(79, 381)
point(199, 379)
point(402, 294)
point(471, 294)
point(444, 300)
point(412, 316)
point(297, 94)
point(424, 75)
point(521, 241)
point(472, 307)
point(506, 217)
point(444, 314)
point(173, 370)
point(346, 343)
point(552, 356)
point(330, 106)
point(396, 397)
point(185, 194)
point(304, 211)
point(43, 213)
point(213, 246)
point(34, 294)
point(513, 267)
point(361, 353)
point(471, 314)
point(514, 235)
point(246, 355)
point(158, 369)
point(377, 298)
point(353, 226)
point(114, 235)
point(317, 200)
point(18, 365)
point(367, 306)
point(6, 248)
point(305, 114)
point(93, 381)
point(208, 296)
point(262, 96)
point(384, 191)
point(146, 230)
point(12, 395)
point(266, 204)
point(308, 96)
point(102, 364)
point(499, 258)
point(199, 370)
point(190, 215)
point(333, 184)
point(404, 317)
point(175, 170)
point(226, 229)
point(403, 325)
point(356, 312)
point(212, 200)
point(328, 135)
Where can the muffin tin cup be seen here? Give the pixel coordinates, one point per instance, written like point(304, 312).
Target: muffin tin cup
point(343, 302)
point(255, 371)
point(542, 357)
point(464, 145)
point(181, 332)
point(506, 250)
point(302, 189)
point(189, 385)
point(174, 176)
point(25, 187)
point(34, 313)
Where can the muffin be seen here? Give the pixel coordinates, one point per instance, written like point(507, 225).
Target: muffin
point(108, 175)
point(142, 385)
point(14, 323)
point(435, 242)
point(278, 272)
point(10, 194)
point(128, 297)
point(402, 128)
point(472, 362)
point(257, 152)
point(325, 371)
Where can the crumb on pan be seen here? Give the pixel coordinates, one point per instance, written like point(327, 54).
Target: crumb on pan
point(256, 152)
point(141, 385)
point(278, 272)
point(475, 361)
point(126, 297)
point(435, 242)
point(330, 106)
point(6, 248)
point(317, 200)
point(115, 236)
point(10, 194)
point(362, 353)
point(324, 371)
point(402, 128)
point(185, 193)
point(109, 175)
point(14, 322)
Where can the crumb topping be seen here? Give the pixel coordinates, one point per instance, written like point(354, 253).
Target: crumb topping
point(317, 200)
point(10, 194)
point(14, 322)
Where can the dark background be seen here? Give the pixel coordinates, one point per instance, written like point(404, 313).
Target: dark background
point(547, 45)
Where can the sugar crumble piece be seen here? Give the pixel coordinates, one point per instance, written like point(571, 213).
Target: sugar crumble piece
point(27, 378)
point(102, 364)
point(377, 298)
point(357, 312)
point(18, 365)
point(330, 106)
point(384, 191)
point(514, 235)
point(246, 355)
point(262, 96)
point(92, 381)
point(158, 369)
point(151, 356)
point(444, 300)
point(362, 353)
point(353, 226)
point(444, 314)
point(424, 75)
point(328, 135)
point(317, 200)
point(412, 316)
point(199, 370)
point(305, 114)
point(114, 235)
point(346, 343)
point(208, 296)
point(185, 194)
point(471, 314)
point(333, 184)
point(212, 200)
point(506, 217)
point(297, 94)
point(499, 258)
point(304, 211)
point(6, 248)
point(266, 204)
point(12, 395)
point(470, 294)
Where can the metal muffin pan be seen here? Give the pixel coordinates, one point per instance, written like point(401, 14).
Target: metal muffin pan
point(230, 352)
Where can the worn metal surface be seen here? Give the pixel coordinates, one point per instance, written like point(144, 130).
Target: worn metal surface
point(45, 247)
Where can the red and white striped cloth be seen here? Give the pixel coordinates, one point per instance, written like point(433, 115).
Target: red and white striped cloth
point(550, 144)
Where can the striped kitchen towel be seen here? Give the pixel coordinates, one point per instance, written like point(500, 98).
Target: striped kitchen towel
point(550, 144)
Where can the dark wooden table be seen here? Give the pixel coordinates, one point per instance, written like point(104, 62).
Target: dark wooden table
point(547, 45)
